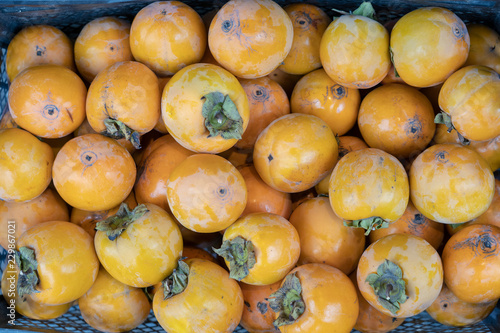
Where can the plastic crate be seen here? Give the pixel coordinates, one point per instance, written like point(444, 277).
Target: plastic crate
point(70, 16)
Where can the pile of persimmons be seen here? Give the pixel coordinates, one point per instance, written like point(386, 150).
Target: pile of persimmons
point(264, 166)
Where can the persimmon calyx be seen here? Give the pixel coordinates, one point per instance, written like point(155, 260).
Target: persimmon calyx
point(118, 130)
point(388, 285)
point(240, 254)
point(445, 119)
point(391, 53)
point(116, 224)
point(287, 301)
point(176, 282)
point(221, 116)
point(365, 9)
point(369, 224)
point(28, 277)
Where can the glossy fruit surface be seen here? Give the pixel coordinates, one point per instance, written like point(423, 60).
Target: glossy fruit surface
point(257, 315)
point(484, 46)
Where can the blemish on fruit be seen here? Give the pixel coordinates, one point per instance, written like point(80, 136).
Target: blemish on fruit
point(50, 112)
point(262, 307)
point(270, 158)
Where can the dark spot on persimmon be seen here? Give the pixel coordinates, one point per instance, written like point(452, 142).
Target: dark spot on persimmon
point(270, 158)
point(394, 319)
point(445, 305)
point(227, 25)
point(247, 305)
point(260, 94)
point(50, 112)
point(88, 158)
point(418, 219)
point(40, 51)
point(338, 91)
point(442, 156)
point(164, 12)
point(262, 307)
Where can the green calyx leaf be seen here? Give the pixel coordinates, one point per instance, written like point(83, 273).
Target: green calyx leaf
point(221, 116)
point(388, 285)
point(118, 130)
point(396, 74)
point(116, 224)
point(365, 9)
point(176, 282)
point(287, 301)
point(444, 118)
point(240, 255)
point(28, 277)
point(369, 224)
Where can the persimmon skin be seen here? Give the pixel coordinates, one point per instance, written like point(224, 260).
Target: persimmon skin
point(471, 263)
point(317, 94)
point(420, 264)
point(293, 163)
point(56, 244)
point(263, 198)
point(48, 100)
point(212, 302)
point(324, 238)
point(484, 47)
point(414, 223)
point(325, 287)
point(167, 36)
point(354, 51)
point(101, 43)
point(93, 172)
point(469, 97)
point(437, 58)
point(48, 206)
point(257, 315)
point(242, 29)
point(448, 310)
point(276, 245)
point(309, 24)
point(37, 45)
point(368, 183)
point(111, 306)
point(451, 184)
point(26, 165)
point(397, 119)
point(267, 102)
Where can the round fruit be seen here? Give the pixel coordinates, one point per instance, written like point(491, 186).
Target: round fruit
point(484, 47)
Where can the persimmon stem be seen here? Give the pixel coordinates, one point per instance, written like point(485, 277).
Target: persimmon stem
point(116, 224)
point(221, 116)
point(28, 277)
point(388, 285)
point(176, 282)
point(240, 255)
point(118, 130)
point(369, 224)
point(287, 301)
point(445, 119)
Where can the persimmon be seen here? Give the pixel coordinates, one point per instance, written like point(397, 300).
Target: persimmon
point(371, 320)
point(205, 108)
point(267, 102)
point(160, 125)
point(293, 163)
point(315, 297)
point(123, 101)
point(309, 23)
point(88, 219)
point(167, 36)
point(317, 94)
point(250, 38)
point(46, 256)
point(354, 49)
point(469, 103)
point(369, 189)
point(414, 223)
point(111, 306)
point(397, 119)
point(449, 310)
point(36, 45)
point(471, 263)
point(347, 143)
point(257, 315)
point(206, 193)
point(153, 172)
point(400, 275)
point(437, 58)
point(93, 172)
point(48, 100)
point(260, 248)
point(484, 47)
point(489, 150)
point(48, 206)
point(451, 184)
point(25, 305)
point(324, 238)
point(263, 198)
point(139, 247)
point(26, 165)
point(492, 214)
point(101, 43)
point(199, 297)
